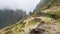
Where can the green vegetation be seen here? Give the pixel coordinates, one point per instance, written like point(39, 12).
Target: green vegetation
point(20, 26)
point(54, 14)
point(34, 21)
point(46, 4)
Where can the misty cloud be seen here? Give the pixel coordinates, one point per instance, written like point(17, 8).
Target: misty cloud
point(27, 5)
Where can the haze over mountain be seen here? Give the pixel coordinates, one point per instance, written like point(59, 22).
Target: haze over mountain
point(26, 5)
point(12, 11)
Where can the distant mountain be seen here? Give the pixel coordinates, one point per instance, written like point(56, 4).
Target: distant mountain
point(9, 16)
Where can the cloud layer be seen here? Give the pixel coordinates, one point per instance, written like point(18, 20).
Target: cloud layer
point(27, 5)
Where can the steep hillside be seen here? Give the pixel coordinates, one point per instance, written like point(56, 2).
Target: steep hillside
point(46, 4)
point(25, 26)
point(45, 22)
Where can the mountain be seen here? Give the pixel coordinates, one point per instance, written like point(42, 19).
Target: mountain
point(46, 4)
point(44, 20)
point(9, 16)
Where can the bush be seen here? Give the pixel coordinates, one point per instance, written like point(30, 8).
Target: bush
point(53, 16)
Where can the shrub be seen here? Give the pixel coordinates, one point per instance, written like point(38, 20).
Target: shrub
point(53, 16)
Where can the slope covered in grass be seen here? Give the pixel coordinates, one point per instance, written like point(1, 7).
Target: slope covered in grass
point(45, 22)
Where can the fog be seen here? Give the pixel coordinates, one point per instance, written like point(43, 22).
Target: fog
point(26, 5)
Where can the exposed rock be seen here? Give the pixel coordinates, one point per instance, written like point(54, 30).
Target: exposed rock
point(9, 32)
point(37, 31)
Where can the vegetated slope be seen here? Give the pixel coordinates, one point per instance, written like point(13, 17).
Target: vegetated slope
point(24, 26)
point(46, 24)
point(46, 4)
point(49, 23)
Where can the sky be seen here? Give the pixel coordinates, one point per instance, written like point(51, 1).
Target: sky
point(26, 5)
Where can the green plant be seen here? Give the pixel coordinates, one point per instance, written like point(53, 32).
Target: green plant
point(52, 16)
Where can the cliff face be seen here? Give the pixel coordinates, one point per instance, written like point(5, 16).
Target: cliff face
point(46, 24)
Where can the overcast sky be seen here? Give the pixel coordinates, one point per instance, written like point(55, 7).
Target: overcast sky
point(27, 5)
